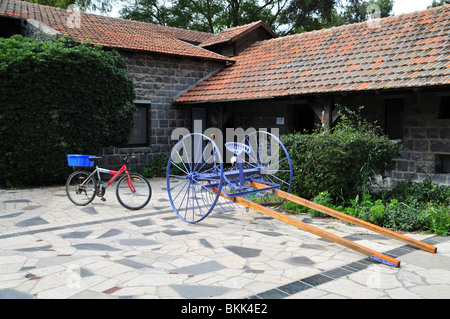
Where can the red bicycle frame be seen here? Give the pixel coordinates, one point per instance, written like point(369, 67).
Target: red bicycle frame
point(115, 175)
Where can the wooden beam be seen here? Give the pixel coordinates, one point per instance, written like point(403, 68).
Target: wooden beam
point(350, 219)
point(317, 231)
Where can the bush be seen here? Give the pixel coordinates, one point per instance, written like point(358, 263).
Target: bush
point(58, 97)
point(426, 191)
point(341, 162)
point(408, 212)
point(426, 204)
point(438, 220)
point(323, 199)
point(157, 167)
point(390, 214)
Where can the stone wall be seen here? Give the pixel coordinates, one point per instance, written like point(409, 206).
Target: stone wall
point(425, 136)
point(159, 79)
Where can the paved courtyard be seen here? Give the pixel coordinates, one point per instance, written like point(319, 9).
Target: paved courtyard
point(50, 248)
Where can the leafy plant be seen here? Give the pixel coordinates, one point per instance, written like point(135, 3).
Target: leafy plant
point(438, 220)
point(410, 213)
point(158, 166)
point(323, 199)
point(343, 161)
point(58, 97)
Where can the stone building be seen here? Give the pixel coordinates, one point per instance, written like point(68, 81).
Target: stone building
point(397, 67)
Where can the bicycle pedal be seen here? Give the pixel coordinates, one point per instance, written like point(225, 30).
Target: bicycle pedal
point(103, 199)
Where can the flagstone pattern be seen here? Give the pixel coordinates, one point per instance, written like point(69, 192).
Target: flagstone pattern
point(50, 248)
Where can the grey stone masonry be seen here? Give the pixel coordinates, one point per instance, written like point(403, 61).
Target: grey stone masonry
point(159, 79)
point(426, 136)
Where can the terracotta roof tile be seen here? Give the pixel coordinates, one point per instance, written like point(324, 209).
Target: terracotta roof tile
point(406, 51)
point(113, 32)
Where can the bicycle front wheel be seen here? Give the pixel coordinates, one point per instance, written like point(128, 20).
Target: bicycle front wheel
point(80, 188)
point(133, 193)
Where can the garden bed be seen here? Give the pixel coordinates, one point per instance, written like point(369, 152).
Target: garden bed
point(410, 207)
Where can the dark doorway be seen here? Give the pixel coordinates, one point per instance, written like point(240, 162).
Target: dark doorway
point(394, 118)
point(303, 118)
point(10, 26)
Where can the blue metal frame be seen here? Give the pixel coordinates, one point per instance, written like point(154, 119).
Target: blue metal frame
point(203, 187)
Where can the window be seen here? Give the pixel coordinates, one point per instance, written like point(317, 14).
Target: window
point(444, 110)
point(394, 118)
point(140, 131)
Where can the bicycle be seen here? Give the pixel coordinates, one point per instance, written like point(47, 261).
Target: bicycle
point(133, 191)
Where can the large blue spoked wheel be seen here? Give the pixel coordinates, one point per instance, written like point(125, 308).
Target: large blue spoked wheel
point(270, 155)
point(194, 177)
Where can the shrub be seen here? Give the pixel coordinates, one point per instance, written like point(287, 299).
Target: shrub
point(157, 167)
point(58, 97)
point(343, 161)
point(324, 199)
point(438, 220)
point(426, 191)
point(404, 208)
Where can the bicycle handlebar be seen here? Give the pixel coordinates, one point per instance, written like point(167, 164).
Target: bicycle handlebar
point(127, 158)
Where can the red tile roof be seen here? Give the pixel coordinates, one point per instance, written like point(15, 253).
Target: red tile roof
point(406, 51)
point(113, 32)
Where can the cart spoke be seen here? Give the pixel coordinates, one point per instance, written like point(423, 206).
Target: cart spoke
point(190, 198)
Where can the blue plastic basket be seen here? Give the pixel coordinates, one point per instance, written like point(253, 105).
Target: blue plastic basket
point(79, 160)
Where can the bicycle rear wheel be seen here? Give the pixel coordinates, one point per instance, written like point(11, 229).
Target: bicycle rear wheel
point(134, 193)
point(80, 188)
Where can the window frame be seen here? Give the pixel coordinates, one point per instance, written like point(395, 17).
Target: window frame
point(147, 106)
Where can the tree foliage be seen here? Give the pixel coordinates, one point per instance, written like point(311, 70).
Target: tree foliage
point(58, 97)
point(282, 16)
point(103, 6)
point(204, 15)
point(308, 15)
point(438, 3)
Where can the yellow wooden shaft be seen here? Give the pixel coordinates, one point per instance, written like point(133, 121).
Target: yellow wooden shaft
point(350, 219)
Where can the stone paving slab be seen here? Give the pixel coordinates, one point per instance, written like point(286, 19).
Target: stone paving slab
point(50, 248)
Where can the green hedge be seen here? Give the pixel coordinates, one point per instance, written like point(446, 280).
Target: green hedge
point(342, 161)
point(58, 97)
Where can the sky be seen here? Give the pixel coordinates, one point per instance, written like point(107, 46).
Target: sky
point(406, 6)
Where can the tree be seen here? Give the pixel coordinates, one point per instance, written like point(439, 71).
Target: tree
point(93, 5)
point(308, 15)
point(438, 3)
point(205, 15)
point(282, 16)
point(358, 11)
